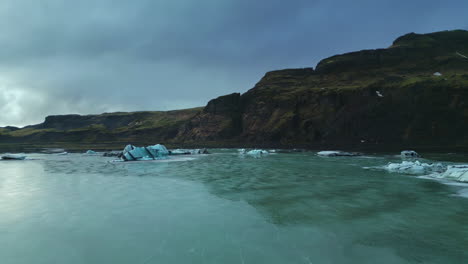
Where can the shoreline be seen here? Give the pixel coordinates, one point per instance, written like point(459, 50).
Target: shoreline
point(112, 146)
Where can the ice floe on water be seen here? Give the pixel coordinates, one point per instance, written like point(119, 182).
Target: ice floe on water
point(415, 167)
point(132, 153)
point(455, 172)
point(254, 152)
point(9, 156)
point(188, 151)
point(257, 152)
point(409, 154)
point(337, 153)
point(449, 174)
point(436, 170)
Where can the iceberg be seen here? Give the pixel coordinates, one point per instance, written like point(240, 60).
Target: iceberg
point(337, 153)
point(409, 154)
point(132, 153)
point(9, 156)
point(415, 168)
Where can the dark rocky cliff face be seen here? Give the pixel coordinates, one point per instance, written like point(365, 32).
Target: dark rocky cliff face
point(374, 99)
point(368, 99)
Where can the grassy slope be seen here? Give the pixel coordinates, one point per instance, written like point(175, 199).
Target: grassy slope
point(109, 130)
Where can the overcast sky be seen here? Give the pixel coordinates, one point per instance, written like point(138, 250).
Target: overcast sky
point(89, 56)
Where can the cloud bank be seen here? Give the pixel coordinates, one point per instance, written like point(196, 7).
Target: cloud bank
point(61, 57)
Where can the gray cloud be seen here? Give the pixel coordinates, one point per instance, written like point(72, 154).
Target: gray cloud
point(89, 56)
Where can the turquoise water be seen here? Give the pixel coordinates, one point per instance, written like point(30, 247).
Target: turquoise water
point(226, 208)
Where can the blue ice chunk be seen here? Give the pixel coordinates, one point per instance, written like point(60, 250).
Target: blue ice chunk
point(132, 153)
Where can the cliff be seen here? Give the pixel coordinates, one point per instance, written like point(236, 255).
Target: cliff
point(384, 98)
point(411, 94)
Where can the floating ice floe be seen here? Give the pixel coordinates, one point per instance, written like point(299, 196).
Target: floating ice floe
point(409, 154)
point(52, 150)
point(188, 151)
point(415, 168)
point(9, 156)
point(455, 173)
point(254, 152)
point(113, 153)
point(337, 153)
point(132, 153)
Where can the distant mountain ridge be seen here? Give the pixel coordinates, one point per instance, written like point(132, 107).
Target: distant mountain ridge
point(370, 99)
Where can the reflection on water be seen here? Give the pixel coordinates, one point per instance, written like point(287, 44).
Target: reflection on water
point(226, 208)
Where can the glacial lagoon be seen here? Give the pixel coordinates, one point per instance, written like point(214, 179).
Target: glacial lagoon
point(229, 208)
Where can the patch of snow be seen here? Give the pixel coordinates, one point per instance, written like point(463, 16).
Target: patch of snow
point(379, 94)
point(437, 74)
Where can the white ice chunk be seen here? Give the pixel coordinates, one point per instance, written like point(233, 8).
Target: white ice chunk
point(257, 152)
point(378, 94)
point(456, 173)
point(437, 74)
point(409, 154)
point(415, 168)
point(188, 151)
point(336, 153)
point(9, 156)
